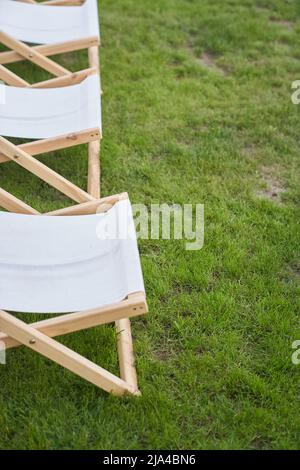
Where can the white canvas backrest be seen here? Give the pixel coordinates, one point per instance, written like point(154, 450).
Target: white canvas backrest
point(52, 264)
point(43, 113)
point(42, 24)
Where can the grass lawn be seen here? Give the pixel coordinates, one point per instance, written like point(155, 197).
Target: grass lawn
point(196, 109)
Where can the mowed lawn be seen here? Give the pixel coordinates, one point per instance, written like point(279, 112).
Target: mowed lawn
point(196, 109)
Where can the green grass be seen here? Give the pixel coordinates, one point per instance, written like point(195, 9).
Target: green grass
point(214, 353)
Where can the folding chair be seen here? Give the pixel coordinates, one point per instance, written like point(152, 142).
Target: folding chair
point(53, 30)
point(58, 118)
point(97, 277)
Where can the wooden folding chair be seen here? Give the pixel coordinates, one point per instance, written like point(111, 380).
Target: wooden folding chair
point(58, 118)
point(53, 30)
point(59, 264)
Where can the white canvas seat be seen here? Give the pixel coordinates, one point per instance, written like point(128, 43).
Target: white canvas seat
point(58, 264)
point(60, 118)
point(47, 24)
point(45, 113)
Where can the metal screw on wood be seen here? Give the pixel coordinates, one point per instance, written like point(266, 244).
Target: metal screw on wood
point(32, 341)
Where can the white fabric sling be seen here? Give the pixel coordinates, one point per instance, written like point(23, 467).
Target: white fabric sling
point(50, 112)
point(42, 24)
point(53, 264)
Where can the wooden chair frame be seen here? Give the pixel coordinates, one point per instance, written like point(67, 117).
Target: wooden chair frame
point(63, 77)
point(39, 55)
point(23, 156)
point(38, 336)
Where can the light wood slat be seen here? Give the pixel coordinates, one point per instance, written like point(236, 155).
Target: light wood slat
point(94, 168)
point(94, 171)
point(55, 143)
point(9, 57)
point(42, 171)
point(94, 59)
point(13, 204)
point(33, 55)
point(62, 355)
point(92, 207)
point(66, 80)
point(10, 78)
point(125, 351)
point(63, 2)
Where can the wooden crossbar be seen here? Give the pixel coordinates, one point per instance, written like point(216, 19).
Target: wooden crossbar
point(24, 159)
point(66, 80)
point(62, 2)
point(92, 207)
point(38, 147)
point(13, 204)
point(55, 2)
point(33, 55)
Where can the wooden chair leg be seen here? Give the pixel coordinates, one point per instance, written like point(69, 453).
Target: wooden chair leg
point(63, 356)
point(94, 172)
point(94, 59)
point(125, 351)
